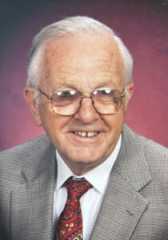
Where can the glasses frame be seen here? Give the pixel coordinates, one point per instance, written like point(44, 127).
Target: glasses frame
point(50, 98)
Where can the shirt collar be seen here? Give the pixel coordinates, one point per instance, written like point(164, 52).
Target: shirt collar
point(92, 176)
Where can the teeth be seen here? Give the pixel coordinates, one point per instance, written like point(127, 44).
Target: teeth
point(86, 134)
point(91, 134)
point(83, 134)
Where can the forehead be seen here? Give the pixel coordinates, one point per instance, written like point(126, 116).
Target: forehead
point(83, 61)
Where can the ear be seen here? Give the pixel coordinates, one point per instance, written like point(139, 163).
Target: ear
point(129, 93)
point(29, 95)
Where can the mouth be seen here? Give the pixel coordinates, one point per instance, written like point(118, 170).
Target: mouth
point(86, 134)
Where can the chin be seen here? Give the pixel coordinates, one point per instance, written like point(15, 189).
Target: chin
point(87, 157)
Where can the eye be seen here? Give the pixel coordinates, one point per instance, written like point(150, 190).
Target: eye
point(104, 91)
point(64, 97)
point(66, 93)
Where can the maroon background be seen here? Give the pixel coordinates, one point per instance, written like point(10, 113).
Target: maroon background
point(143, 25)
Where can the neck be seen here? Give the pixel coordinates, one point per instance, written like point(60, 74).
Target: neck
point(80, 168)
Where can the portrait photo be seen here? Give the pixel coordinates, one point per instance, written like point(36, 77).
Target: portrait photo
point(83, 121)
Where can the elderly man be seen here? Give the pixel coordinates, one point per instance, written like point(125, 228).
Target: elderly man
point(90, 176)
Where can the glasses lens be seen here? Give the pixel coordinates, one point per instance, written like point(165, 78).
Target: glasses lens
point(65, 97)
point(65, 102)
point(107, 101)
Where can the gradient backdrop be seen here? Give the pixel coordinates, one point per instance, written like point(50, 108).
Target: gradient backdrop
point(143, 25)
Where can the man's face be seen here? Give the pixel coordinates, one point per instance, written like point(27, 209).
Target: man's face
point(82, 62)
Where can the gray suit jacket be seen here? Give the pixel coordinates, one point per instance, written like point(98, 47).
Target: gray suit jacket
point(135, 206)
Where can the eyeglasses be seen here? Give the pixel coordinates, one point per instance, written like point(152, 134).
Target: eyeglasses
point(67, 101)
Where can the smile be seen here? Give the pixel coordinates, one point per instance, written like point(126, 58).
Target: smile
point(86, 134)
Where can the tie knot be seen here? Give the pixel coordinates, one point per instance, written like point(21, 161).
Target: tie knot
point(77, 187)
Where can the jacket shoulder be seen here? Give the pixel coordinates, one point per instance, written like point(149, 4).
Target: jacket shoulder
point(155, 155)
point(154, 149)
point(149, 146)
point(17, 154)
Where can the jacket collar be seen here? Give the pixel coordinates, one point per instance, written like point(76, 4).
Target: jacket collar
point(131, 164)
point(123, 204)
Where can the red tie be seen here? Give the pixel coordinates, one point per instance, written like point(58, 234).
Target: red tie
point(69, 226)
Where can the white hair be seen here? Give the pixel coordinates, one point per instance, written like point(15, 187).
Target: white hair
point(72, 25)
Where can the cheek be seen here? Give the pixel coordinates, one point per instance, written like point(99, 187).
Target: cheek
point(115, 125)
point(114, 122)
point(53, 124)
point(55, 131)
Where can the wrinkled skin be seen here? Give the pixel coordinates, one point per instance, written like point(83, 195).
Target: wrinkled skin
point(84, 62)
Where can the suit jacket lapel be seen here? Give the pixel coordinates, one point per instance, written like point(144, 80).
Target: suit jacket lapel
point(32, 200)
point(123, 204)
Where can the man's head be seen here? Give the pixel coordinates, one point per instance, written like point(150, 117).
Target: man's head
point(79, 85)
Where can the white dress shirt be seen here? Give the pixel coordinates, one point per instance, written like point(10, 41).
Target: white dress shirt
point(92, 199)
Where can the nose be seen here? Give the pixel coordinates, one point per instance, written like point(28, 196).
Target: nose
point(87, 112)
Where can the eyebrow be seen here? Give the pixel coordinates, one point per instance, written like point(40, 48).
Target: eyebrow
point(71, 86)
point(104, 84)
